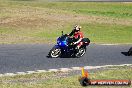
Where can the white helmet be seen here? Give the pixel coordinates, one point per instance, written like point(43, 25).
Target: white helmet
point(77, 27)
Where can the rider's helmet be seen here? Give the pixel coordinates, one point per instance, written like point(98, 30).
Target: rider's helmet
point(77, 28)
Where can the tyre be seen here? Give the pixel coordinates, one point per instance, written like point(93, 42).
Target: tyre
point(130, 52)
point(80, 52)
point(84, 81)
point(55, 53)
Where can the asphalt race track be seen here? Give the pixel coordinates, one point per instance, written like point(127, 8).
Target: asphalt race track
point(28, 57)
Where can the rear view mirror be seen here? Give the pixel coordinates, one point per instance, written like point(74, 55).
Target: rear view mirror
point(62, 32)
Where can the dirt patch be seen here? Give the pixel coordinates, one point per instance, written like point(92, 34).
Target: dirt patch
point(27, 22)
point(32, 18)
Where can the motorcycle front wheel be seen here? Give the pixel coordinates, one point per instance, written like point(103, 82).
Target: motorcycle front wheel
point(55, 53)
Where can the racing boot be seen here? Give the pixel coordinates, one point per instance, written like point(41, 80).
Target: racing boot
point(76, 49)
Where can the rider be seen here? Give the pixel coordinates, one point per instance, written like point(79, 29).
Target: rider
point(77, 36)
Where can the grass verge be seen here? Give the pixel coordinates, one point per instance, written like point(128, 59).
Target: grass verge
point(35, 21)
point(65, 80)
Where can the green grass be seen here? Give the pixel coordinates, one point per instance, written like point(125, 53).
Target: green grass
point(108, 33)
point(39, 21)
point(50, 80)
point(121, 10)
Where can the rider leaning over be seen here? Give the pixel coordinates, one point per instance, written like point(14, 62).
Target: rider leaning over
point(77, 36)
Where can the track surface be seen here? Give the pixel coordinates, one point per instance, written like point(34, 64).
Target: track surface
point(19, 58)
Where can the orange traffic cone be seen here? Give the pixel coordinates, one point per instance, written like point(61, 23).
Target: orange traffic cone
point(84, 73)
point(84, 80)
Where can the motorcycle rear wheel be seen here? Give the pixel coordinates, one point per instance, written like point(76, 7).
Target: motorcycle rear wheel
point(81, 52)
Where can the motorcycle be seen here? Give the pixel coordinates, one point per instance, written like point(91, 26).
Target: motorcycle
point(66, 48)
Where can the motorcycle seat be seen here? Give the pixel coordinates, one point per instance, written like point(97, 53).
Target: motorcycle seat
point(86, 40)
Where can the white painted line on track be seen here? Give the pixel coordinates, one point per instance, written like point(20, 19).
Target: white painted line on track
point(1, 75)
point(92, 67)
point(30, 72)
point(61, 70)
point(76, 68)
point(21, 73)
point(40, 71)
point(65, 69)
point(9, 74)
point(53, 70)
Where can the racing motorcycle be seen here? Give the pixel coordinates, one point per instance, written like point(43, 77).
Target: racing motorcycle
point(66, 48)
